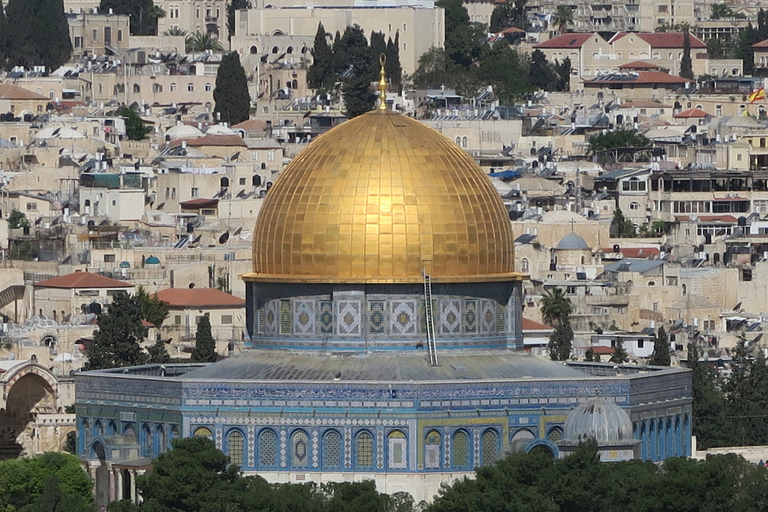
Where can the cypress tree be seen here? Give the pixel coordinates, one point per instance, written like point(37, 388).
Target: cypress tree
point(205, 346)
point(232, 8)
point(233, 101)
point(320, 73)
point(38, 34)
point(353, 50)
point(140, 12)
point(686, 65)
point(116, 343)
point(660, 354)
point(3, 35)
point(393, 67)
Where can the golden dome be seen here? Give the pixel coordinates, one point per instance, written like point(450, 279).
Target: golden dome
point(376, 200)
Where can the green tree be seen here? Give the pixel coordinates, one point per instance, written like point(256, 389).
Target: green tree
point(563, 70)
point(462, 38)
point(710, 422)
point(143, 15)
point(232, 7)
point(135, 128)
point(619, 355)
point(686, 65)
point(3, 36)
point(17, 219)
point(37, 33)
point(23, 250)
point(510, 13)
point(393, 67)
point(724, 11)
point(660, 356)
point(158, 354)
point(176, 31)
point(53, 481)
point(320, 74)
point(507, 71)
point(617, 139)
point(542, 73)
point(117, 342)
point(561, 342)
point(153, 310)
point(233, 101)
point(202, 41)
point(205, 345)
point(555, 307)
point(352, 52)
point(621, 226)
point(562, 18)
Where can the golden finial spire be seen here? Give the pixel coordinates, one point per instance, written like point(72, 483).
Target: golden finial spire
point(382, 83)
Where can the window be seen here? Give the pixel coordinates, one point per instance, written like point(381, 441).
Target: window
point(119, 36)
point(226, 319)
point(177, 320)
point(95, 35)
point(432, 450)
point(555, 434)
point(190, 87)
point(109, 258)
point(136, 88)
point(207, 87)
point(364, 449)
point(271, 155)
point(157, 88)
point(242, 181)
point(524, 265)
point(203, 432)
point(332, 450)
point(173, 87)
point(195, 192)
point(300, 449)
point(460, 448)
point(235, 445)
point(114, 202)
point(634, 205)
point(633, 184)
point(640, 343)
point(31, 207)
point(208, 211)
point(267, 448)
point(161, 444)
point(397, 443)
point(489, 447)
point(146, 441)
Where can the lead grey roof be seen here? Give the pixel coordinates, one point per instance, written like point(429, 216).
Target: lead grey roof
point(382, 367)
point(572, 242)
point(633, 265)
point(604, 421)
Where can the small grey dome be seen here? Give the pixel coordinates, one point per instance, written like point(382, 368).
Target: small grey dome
point(572, 242)
point(604, 421)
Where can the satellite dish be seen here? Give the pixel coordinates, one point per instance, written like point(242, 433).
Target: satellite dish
point(224, 237)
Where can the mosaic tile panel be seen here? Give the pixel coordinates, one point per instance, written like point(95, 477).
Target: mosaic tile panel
point(470, 316)
point(303, 316)
point(285, 316)
point(349, 318)
point(487, 316)
point(325, 322)
point(262, 312)
point(501, 315)
point(272, 317)
point(450, 316)
point(376, 317)
point(403, 320)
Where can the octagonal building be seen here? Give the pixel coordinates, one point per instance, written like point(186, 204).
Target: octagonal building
point(384, 321)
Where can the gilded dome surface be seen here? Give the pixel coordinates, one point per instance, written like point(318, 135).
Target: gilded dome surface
point(376, 200)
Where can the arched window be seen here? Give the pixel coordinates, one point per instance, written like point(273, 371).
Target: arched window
point(332, 450)
point(203, 432)
point(86, 434)
point(157, 88)
point(235, 447)
point(98, 428)
point(129, 431)
point(289, 50)
point(634, 205)
point(146, 441)
point(458, 141)
point(432, 450)
point(268, 448)
point(464, 142)
point(254, 50)
point(111, 428)
point(174, 434)
point(524, 265)
point(364, 450)
point(582, 259)
point(555, 434)
point(295, 84)
point(489, 449)
point(161, 443)
point(136, 88)
point(460, 450)
point(275, 49)
point(224, 182)
point(299, 449)
point(397, 446)
point(685, 290)
point(173, 86)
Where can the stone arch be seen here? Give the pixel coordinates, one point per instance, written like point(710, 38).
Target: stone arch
point(29, 391)
point(543, 445)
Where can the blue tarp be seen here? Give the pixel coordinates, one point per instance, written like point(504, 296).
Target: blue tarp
point(506, 175)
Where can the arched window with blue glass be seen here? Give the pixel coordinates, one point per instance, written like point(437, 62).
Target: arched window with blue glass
point(461, 455)
point(299, 449)
point(160, 444)
point(111, 428)
point(235, 447)
point(86, 436)
point(98, 428)
point(146, 441)
point(267, 448)
point(555, 434)
point(489, 447)
point(332, 450)
point(364, 450)
point(397, 450)
point(433, 450)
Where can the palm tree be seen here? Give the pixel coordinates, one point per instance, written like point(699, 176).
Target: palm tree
point(555, 307)
point(562, 18)
point(201, 41)
point(154, 13)
point(176, 31)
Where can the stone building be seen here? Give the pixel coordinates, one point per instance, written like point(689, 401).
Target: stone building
point(384, 318)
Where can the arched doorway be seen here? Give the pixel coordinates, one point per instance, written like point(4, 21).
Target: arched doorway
point(102, 475)
point(28, 394)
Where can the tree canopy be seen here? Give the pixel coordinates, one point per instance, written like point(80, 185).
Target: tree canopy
point(614, 139)
point(205, 345)
point(143, 14)
point(153, 310)
point(686, 64)
point(36, 33)
point(135, 128)
point(233, 101)
point(117, 341)
point(232, 7)
point(660, 356)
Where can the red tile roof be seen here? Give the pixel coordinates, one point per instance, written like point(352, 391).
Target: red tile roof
point(664, 39)
point(602, 351)
point(643, 104)
point(639, 64)
point(77, 280)
point(568, 40)
point(530, 325)
point(12, 92)
point(691, 113)
point(199, 298)
point(194, 204)
point(761, 44)
point(212, 140)
point(634, 252)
